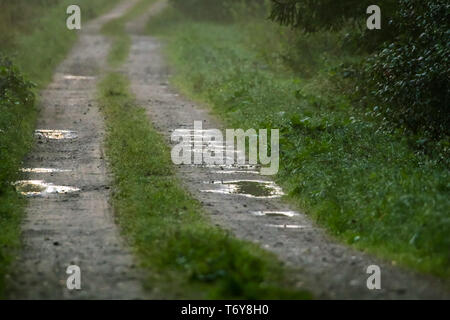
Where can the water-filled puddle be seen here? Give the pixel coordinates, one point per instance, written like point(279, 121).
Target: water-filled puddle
point(286, 226)
point(247, 188)
point(236, 171)
point(236, 166)
point(56, 134)
point(275, 213)
point(39, 187)
point(43, 170)
point(74, 77)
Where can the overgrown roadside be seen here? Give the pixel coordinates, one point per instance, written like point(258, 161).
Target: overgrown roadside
point(24, 29)
point(368, 186)
point(187, 255)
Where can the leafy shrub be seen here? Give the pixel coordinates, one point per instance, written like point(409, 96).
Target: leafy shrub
point(16, 98)
point(410, 75)
point(319, 15)
point(313, 15)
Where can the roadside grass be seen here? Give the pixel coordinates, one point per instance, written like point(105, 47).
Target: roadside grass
point(186, 256)
point(34, 35)
point(38, 38)
point(366, 185)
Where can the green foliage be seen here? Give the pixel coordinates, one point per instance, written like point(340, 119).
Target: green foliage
point(313, 15)
point(18, 17)
point(16, 98)
point(366, 185)
point(408, 76)
point(411, 75)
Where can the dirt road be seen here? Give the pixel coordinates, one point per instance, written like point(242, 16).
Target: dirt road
point(77, 227)
point(327, 268)
point(70, 222)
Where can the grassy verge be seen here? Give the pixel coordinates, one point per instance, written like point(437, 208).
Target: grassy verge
point(187, 257)
point(368, 186)
point(35, 36)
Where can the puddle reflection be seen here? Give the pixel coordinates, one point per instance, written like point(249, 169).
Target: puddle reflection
point(43, 170)
point(276, 213)
point(286, 226)
point(39, 187)
point(248, 188)
point(56, 134)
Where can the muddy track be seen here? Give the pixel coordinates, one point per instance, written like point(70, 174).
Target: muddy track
point(77, 227)
point(321, 264)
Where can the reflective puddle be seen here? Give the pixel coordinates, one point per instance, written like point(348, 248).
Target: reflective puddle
point(56, 134)
point(43, 170)
point(74, 77)
point(286, 226)
point(236, 171)
point(276, 213)
point(40, 187)
point(236, 166)
point(247, 188)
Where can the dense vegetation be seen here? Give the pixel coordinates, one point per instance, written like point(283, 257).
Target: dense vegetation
point(354, 167)
point(16, 99)
point(410, 76)
point(408, 72)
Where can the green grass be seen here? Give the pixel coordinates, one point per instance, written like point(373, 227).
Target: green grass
point(366, 185)
point(184, 254)
point(35, 36)
point(38, 36)
point(115, 29)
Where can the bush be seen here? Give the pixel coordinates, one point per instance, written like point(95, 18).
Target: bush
point(16, 98)
point(324, 15)
point(314, 15)
point(410, 75)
